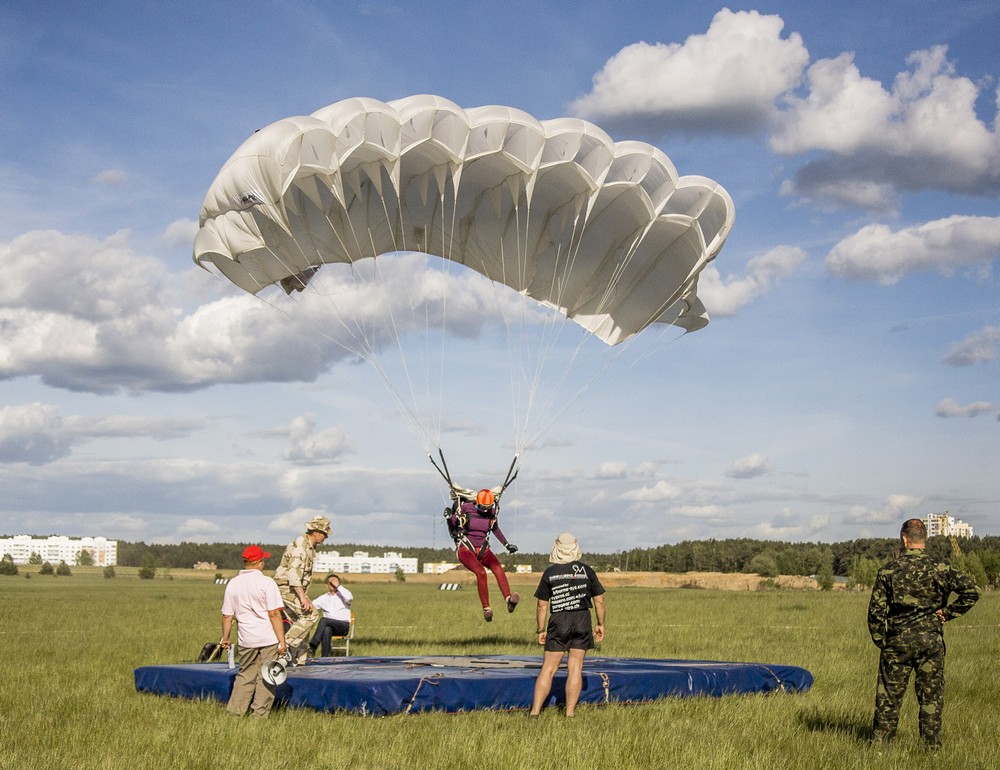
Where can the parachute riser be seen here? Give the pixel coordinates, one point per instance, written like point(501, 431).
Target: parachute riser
point(458, 493)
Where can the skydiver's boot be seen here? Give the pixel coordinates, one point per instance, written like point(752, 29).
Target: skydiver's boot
point(512, 601)
point(487, 614)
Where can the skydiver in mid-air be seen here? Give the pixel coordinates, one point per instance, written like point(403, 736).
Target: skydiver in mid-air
point(472, 518)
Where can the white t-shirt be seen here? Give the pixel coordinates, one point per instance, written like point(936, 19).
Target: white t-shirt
point(248, 598)
point(336, 606)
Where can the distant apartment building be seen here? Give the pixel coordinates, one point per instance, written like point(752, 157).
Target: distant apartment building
point(439, 567)
point(360, 562)
point(59, 548)
point(945, 525)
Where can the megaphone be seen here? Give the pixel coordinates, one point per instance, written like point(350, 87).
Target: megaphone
point(276, 672)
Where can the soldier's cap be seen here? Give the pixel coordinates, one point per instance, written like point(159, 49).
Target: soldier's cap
point(318, 524)
point(255, 553)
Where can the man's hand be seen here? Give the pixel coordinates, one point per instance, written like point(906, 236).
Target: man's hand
point(511, 548)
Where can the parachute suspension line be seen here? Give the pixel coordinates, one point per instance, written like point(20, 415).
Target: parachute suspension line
point(551, 336)
point(411, 408)
point(362, 346)
point(618, 272)
point(546, 342)
point(282, 311)
point(668, 332)
point(363, 340)
point(562, 269)
point(515, 363)
point(522, 341)
point(448, 240)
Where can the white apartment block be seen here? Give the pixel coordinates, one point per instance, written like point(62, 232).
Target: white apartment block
point(946, 525)
point(59, 548)
point(439, 567)
point(361, 562)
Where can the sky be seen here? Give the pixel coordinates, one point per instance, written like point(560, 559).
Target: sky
point(849, 378)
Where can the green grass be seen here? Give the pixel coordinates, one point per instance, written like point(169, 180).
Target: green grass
point(68, 647)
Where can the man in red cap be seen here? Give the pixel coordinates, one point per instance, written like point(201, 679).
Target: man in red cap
point(254, 601)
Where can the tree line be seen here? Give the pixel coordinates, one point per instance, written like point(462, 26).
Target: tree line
point(856, 559)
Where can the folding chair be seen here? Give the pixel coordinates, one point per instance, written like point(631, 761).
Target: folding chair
point(343, 642)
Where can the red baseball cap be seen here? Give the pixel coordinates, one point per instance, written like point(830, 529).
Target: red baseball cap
point(255, 553)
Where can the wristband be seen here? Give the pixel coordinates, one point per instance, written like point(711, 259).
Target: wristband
point(540, 631)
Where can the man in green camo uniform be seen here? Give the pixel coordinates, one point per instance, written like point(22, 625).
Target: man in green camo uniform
point(906, 617)
point(293, 577)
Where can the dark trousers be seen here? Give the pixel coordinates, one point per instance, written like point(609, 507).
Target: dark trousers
point(925, 659)
point(326, 629)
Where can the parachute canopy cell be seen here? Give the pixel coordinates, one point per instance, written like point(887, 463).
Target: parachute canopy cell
point(604, 232)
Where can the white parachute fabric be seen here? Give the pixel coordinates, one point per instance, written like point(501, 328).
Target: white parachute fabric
point(605, 233)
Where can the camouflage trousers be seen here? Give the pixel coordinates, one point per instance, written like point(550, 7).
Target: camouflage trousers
point(302, 622)
point(925, 658)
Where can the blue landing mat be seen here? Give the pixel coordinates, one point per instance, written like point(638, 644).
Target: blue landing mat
point(392, 685)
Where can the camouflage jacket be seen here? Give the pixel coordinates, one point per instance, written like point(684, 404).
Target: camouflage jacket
point(296, 564)
point(909, 591)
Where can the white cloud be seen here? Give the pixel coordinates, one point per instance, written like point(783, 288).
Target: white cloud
point(749, 467)
point(724, 297)
point(922, 133)
point(180, 232)
point(612, 470)
point(91, 315)
point(111, 176)
point(309, 446)
point(902, 504)
point(876, 252)
point(895, 509)
point(198, 528)
point(724, 80)
point(294, 522)
point(131, 426)
point(657, 493)
point(36, 434)
point(789, 526)
point(33, 433)
point(975, 348)
point(948, 407)
point(715, 512)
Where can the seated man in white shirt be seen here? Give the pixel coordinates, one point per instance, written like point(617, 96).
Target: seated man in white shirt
point(336, 620)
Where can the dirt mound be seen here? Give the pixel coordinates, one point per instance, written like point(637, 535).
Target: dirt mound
point(737, 581)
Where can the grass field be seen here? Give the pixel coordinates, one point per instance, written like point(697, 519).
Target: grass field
point(68, 647)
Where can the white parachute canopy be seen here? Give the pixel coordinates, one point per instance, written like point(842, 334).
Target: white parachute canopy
point(603, 233)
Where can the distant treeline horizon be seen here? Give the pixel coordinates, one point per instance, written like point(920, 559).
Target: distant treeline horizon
point(734, 555)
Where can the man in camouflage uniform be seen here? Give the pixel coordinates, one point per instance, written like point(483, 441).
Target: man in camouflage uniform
point(906, 615)
point(293, 576)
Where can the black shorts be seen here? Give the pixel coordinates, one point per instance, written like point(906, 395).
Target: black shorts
point(569, 631)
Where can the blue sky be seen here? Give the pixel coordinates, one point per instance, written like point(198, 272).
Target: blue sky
point(850, 376)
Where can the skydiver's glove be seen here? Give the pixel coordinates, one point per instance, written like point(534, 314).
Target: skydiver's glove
point(511, 548)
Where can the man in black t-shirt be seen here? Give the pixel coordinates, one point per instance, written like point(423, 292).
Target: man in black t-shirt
point(566, 592)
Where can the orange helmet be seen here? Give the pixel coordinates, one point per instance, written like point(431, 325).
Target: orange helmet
point(484, 500)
